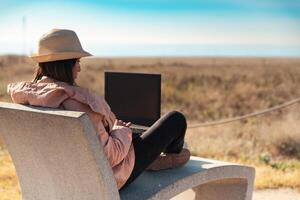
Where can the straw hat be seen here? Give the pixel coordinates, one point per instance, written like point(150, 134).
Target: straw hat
point(59, 44)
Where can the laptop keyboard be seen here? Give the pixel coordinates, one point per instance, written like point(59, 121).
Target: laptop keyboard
point(137, 130)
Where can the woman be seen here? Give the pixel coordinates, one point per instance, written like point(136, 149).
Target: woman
point(54, 86)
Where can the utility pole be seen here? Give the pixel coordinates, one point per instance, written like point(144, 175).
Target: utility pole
point(24, 35)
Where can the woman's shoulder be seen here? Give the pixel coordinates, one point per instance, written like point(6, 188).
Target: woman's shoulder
point(37, 94)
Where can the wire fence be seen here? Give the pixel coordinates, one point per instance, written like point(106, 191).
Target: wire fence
point(254, 114)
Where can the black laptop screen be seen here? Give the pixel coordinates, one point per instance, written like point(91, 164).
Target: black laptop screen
point(134, 97)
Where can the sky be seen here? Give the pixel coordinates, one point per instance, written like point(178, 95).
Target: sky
point(157, 27)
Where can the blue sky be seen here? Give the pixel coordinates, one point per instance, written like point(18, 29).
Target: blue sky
point(110, 27)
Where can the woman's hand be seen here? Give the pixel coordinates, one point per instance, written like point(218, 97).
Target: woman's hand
point(121, 123)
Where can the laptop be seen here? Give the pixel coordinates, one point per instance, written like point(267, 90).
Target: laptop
point(134, 97)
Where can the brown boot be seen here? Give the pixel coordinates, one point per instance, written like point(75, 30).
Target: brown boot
point(170, 160)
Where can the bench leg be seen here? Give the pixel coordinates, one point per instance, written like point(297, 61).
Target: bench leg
point(227, 189)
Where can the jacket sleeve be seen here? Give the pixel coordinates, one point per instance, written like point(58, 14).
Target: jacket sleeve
point(116, 144)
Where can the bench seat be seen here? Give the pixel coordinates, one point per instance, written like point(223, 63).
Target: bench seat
point(210, 179)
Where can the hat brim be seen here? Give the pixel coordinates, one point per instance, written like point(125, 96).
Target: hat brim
point(59, 56)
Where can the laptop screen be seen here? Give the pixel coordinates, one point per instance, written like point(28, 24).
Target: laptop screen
point(134, 97)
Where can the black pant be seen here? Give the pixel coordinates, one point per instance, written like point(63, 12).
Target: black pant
point(165, 135)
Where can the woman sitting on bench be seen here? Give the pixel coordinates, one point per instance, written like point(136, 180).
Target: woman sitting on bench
point(54, 86)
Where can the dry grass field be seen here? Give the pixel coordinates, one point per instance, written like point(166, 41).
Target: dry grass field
point(204, 89)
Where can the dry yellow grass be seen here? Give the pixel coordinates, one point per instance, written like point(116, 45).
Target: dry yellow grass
point(206, 89)
point(273, 148)
point(9, 185)
point(277, 178)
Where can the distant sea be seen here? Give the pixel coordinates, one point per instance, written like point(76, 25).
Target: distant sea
point(196, 50)
point(192, 50)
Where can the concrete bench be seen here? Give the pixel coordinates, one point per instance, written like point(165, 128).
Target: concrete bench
point(57, 155)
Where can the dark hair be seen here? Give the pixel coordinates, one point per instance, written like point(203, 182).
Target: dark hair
point(60, 70)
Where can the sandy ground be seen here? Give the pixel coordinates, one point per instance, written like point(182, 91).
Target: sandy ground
point(276, 194)
point(268, 194)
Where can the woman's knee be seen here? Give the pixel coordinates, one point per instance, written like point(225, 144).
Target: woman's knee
point(178, 118)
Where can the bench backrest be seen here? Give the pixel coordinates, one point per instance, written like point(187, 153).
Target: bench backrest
point(56, 154)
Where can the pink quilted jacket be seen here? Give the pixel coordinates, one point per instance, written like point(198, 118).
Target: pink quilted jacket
point(116, 140)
